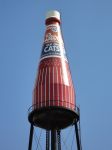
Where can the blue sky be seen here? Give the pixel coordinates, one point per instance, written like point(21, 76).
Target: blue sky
point(87, 31)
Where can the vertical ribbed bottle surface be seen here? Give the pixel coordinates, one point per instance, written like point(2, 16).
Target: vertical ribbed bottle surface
point(54, 86)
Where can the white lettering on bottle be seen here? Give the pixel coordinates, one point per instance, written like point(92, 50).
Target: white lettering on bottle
point(49, 37)
point(53, 28)
point(51, 48)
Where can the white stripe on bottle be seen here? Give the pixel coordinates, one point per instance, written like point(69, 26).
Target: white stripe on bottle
point(45, 84)
point(61, 85)
point(41, 88)
point(53, 86)
point(57, 84)
point(66, 102)
point(71, 85)
point(69, 90)
point(49, 86)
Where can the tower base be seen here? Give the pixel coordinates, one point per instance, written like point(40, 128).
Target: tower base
point(53, 117)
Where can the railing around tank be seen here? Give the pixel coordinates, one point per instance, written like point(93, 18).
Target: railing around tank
point(40, 105)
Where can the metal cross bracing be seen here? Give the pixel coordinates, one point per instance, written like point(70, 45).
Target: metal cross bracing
point(54, 139)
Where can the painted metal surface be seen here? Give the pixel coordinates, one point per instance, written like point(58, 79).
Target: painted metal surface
point(53, 86)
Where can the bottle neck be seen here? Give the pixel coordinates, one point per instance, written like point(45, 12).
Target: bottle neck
point(52, 21)
point(53, 31)
point(53, 45)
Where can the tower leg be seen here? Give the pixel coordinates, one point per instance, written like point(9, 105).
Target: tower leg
point(53, 140)
point(47, 140)
point(59, 139)
point(77, 137)
point(31, 137)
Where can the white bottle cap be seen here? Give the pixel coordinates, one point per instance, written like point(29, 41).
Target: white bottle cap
point(53, 13)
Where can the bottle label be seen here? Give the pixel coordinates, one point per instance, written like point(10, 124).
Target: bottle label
point(53, 44)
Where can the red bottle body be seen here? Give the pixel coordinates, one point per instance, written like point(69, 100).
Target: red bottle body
point(54, 86)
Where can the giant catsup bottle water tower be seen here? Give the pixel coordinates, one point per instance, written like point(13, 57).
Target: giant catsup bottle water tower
point(54, 105)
